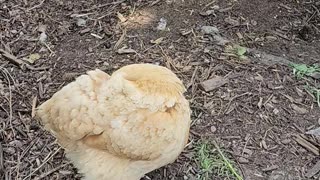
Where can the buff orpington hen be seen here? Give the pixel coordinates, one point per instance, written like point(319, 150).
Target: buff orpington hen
point(122, 126)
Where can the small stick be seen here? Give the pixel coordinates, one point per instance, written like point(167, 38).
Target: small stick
point(43, 163)
point(235, 97)
point(36, 6)
point(103, 5)
point(124, 32)
point(13, 59)
point(7, 75)
point(52, 171)
point(154, 3)
point(1, 159)
point(34, 104)
point(304, 143)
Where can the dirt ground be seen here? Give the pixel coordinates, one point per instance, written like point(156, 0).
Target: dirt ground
point(257, 117)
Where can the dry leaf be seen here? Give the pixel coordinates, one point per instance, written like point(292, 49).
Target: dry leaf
point(157, 41)
point(42, 28)
point(33, 57)
point(299, 110)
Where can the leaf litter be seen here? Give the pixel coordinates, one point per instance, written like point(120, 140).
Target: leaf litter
point(242, 110)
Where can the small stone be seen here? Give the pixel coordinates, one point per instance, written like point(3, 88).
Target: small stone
point(213, 129)
point(286, 141)
point(247, 151)
point(105, 64)
point(274, 100)
point(243, 160)
point(208, 13)
point(81, 22)
point(43, 37)
point(209, 30)
point(42, 28)
point(254, 23)
point(213, 83)
point(14, 31)
point(85, 31)
point(162, 24)
point(231, 21)
point(220, 40)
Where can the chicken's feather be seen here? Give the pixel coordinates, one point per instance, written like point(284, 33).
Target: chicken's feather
point(135, 120)
point(109, 125)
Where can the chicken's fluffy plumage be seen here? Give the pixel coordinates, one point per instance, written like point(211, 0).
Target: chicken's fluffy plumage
point(123, 126)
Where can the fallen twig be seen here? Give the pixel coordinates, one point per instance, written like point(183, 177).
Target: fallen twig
point(104, 5)
point(14, 60)
point(1, 159)
point(34, 104)
point(43, 163)
point(154, 3)
point(304, 143)
point(6, 74)
point(52, 171)
point(36, 6)
point(124, 32)
point(235, 97)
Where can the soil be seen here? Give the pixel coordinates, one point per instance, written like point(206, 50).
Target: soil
point(255, 117)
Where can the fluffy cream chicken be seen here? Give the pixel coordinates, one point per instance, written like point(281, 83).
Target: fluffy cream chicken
point(122, 126)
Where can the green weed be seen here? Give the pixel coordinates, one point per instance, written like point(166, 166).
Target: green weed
point(315, 92)
point(237, 51)
point(301, 70)
point(212, 160)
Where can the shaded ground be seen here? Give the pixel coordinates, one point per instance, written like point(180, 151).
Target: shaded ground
point(253, 116)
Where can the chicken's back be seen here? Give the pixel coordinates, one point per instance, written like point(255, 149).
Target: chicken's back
point(121, 126)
